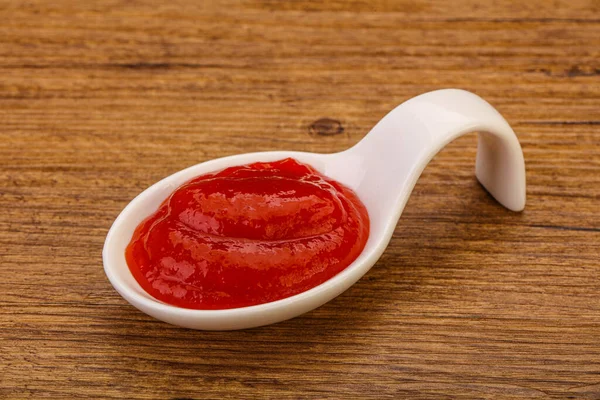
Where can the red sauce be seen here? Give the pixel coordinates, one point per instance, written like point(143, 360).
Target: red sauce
point(248, 235)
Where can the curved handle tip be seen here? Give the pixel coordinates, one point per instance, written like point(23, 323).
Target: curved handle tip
point(400, 146)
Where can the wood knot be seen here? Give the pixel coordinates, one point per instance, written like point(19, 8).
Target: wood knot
point(326, 127)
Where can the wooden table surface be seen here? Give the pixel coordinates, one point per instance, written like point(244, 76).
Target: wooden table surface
point(470, 300)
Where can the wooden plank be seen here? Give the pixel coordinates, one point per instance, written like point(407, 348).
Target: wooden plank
point(97, 102)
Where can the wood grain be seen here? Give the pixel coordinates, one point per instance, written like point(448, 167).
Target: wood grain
point(98, 101)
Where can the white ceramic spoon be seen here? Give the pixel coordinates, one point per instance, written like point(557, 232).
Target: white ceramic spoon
point(382, 169)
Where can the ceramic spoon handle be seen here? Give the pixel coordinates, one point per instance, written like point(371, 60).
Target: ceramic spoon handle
point(399, 147)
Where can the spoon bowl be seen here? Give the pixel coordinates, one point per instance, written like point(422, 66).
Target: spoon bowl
point(382, 169)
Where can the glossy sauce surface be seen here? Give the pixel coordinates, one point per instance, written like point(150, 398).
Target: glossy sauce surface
point(248, 235)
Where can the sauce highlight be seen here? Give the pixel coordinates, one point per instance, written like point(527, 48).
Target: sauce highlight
point(248, 235)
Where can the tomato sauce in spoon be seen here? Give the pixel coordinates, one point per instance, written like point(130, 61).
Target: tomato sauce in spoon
point(248, 235)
